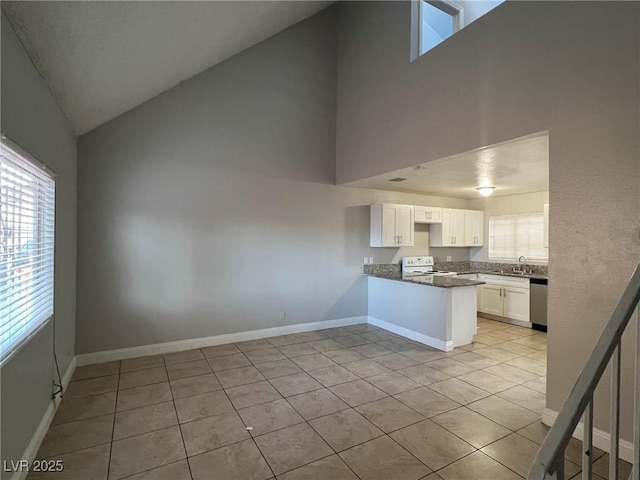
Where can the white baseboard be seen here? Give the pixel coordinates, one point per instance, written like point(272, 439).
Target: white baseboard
point(418, 337)
point(601, 439)
point(169, 347)
point(66, 378)
point(36, 440)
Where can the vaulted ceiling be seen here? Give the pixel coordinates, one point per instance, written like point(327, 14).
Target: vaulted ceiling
point(103, 58)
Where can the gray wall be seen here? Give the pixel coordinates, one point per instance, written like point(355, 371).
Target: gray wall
point(212, 208)
point(502, 78)
point(32, 119)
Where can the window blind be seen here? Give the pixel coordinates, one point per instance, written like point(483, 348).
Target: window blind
point(27, 223)
point(511, 236)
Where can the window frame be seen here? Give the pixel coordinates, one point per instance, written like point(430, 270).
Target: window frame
point(527, 255)
point(44, 230)
point(450, 8)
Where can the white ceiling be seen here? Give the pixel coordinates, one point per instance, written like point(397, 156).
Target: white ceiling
point(103, 58)
point(517, 166)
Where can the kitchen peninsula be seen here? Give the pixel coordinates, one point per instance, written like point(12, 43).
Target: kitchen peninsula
point(439, 311)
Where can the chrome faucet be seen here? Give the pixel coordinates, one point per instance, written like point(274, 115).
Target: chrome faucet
point(522, 261)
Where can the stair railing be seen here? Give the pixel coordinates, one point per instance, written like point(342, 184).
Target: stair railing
point(549, 462)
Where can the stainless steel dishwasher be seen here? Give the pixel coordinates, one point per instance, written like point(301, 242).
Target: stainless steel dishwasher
point(538, 303)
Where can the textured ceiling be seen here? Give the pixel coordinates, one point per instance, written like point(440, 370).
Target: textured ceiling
point(517, 166)
point(103, 58)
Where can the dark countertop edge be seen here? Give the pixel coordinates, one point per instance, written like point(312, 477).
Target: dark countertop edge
point(439, 282)
point(502, 274)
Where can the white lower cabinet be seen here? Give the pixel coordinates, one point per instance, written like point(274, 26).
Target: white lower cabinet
point(504, 297)
point(516, 303)
point(491, 300)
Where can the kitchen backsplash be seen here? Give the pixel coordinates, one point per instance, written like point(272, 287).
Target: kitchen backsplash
point(464, 266)
point(492, 266)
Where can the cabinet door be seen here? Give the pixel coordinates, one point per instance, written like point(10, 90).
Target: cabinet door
point(447, 227)
point(404, 225)
point(469, 232)
point(427, 214)
point(435, 215)
point(389, 232)
point(479, 216)
point(473, 228)
point(516, 303)
point(457, 228)
point(491, 299)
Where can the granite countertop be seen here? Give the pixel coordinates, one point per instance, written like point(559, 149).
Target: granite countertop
point(504, 274)
point(430, 280)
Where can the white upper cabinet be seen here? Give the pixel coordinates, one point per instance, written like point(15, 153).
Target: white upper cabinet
point(404, 225)
point(428, 214)
point(391, 225)
point(450, 233)
point(473, 228)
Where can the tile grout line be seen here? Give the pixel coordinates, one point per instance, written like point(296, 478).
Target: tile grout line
point(150, 469)
point(113, 427)
point(371, 358)
point(175, 410)
point(305, 421)
point(251, 437)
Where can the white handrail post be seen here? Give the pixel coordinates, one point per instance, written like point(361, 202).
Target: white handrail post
point(587, 441)
point(615, 413)
point(635, 474)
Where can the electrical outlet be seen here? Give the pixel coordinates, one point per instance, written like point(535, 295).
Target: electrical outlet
point(283, 315)
point(448, 258)
point(370, 259)
point(366, 260)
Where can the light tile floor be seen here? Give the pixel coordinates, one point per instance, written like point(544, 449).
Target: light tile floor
point(342, 404)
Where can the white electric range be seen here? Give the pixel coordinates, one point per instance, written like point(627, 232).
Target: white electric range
point(420, 266)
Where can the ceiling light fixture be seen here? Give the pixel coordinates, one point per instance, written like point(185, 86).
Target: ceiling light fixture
point(485, 191)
